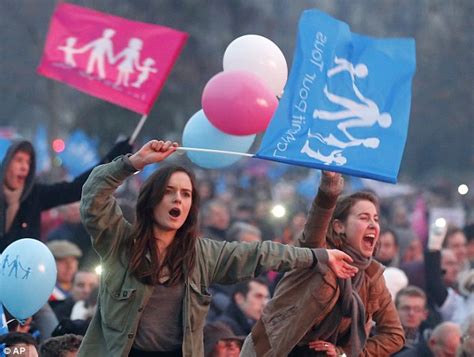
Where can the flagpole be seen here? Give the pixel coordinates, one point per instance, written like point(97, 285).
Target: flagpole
point(183, 148)
point(137, 129)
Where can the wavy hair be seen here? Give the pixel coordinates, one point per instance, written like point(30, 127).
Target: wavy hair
point(181, 255)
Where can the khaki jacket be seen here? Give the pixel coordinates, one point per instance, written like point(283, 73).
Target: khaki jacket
point(303, 299)
point(122, 298)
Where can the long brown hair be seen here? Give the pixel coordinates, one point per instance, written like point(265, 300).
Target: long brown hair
point(181, 256)
point(341, 212)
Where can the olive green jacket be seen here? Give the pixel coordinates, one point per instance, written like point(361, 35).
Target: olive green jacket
point(122, 297)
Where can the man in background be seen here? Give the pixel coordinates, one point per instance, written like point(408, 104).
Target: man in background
point(22, 199)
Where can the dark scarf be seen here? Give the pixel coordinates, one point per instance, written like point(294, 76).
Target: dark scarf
point(349, 305)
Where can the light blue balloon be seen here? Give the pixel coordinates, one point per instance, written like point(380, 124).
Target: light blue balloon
point(200, 133)
point(27, 277)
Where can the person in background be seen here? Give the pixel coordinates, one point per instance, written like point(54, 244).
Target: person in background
point(66, 255)
point(154, 295)
point(467, 339)
point(220, 341)
point(68, 326)
point(456, 241)
point(216, 220)
point(243, 232)
point(412, 309)
point(466, 290)
point(26, 326)
point(22, 199)
point(441, 275)
point(450, 269)
point(444, 341)
point(18, 344)
point(469, 232)
point(244, 211)
point(413, 252)
point(61, 346)
point(45, 321)
point(72, 230)
point(292, 231)
point(248, 300)
point(83, 284)
point(388, 250)
point(206, 190)
point(262, 219)
point(85, 309)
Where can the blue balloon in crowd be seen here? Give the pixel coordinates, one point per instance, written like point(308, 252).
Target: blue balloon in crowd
point(27, 277)
point(200, 133)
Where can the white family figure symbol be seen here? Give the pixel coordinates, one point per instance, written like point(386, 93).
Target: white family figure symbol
point(335, 156)
point(130, 59)
point(360, 70)
point(102, 50)
point(354, 114)
point(145, 71)
point(70, 51)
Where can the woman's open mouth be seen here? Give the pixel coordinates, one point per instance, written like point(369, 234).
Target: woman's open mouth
point(369, 240)
point(175, 212)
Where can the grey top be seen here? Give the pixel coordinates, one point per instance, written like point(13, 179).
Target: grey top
point(160, 327)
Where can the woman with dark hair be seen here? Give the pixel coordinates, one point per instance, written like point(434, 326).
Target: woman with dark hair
point(153, 295)
point(313, 313)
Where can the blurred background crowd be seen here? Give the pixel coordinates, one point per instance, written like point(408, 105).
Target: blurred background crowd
point(432, 280)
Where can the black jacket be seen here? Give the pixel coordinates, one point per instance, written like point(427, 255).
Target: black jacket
point(38, 197)
point(236, 320)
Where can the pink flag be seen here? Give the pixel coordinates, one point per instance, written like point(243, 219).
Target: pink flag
point(124, 62)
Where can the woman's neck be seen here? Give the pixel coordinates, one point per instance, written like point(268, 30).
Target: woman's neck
point(163, 239)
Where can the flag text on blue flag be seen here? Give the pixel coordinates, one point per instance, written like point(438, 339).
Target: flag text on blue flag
point(346, 104)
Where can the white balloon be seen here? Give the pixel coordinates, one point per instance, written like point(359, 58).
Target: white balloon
point(261, 56)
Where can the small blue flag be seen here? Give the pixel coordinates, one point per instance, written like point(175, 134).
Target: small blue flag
point(346, 104)
point(43, 160)
point(80, 153)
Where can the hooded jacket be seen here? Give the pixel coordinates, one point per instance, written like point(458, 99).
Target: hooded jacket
point(38, 197)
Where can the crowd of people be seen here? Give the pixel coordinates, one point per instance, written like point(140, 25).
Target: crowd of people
point(198, 266)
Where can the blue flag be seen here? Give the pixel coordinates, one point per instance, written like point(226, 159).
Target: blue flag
point(43, 160)
point(346, 104)
point(80, 153)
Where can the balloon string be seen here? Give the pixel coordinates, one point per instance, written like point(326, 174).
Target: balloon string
point(183, 148)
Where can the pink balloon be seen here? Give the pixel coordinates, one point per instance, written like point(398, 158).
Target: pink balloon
point(238, 102)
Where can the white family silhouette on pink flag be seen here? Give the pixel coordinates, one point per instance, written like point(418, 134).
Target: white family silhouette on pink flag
point(101, 57)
